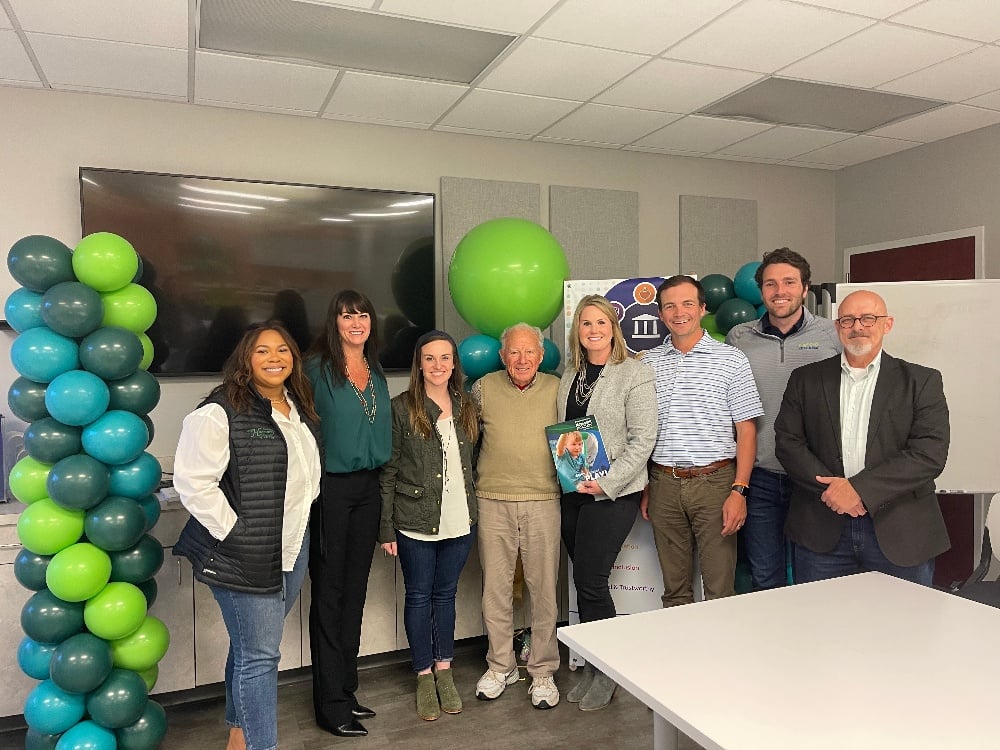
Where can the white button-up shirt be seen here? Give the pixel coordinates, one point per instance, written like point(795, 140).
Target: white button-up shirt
point(857, 388)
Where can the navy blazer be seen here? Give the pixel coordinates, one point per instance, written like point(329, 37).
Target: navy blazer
point(908, 437)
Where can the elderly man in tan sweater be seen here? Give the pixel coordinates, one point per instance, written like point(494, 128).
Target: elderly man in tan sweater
point(518, 497)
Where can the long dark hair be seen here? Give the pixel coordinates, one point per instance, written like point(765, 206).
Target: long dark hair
point(328, 346)
point(467, 417)
point(237, 373)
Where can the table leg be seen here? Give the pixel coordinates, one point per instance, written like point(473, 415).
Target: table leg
point(664, 734)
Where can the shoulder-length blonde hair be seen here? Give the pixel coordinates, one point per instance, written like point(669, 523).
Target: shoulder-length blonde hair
point(577, 354)
point(420, 420)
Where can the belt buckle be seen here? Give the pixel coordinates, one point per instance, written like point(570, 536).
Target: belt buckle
point(673, 472)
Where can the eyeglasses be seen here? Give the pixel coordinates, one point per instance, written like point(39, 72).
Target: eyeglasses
point(867, 321)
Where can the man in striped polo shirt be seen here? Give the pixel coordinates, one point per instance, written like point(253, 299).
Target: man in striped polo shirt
point(699, 472)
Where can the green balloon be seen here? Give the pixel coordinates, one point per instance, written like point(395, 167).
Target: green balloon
point(119, 701)
point(718, 289)
point(132, 307)
point(48, 619)
point(49, 440)
point(81, 663)
point(143, 648)
point(72, 309)
point(150, 676)
point(507, 271)
point(147, 733)
point(139, 563)
point(111, 352)
point(105, 261)
point(26, 399)
point(139, 393)
point(116, 523)
point(78, 482)
point(78, 572)
point(116, 611)
point(147, 351)
point(709, 324)
point(732, 312)
point(29, 569)
point(39, 262)
point(27, 480)
point(46, 528)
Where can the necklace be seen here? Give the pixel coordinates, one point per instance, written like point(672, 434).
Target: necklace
point(583, 388)
point(369, 411)
point(282, 400)
point(445, 436)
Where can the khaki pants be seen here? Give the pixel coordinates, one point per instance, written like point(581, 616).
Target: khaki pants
point(530, 527)
point(685, 511)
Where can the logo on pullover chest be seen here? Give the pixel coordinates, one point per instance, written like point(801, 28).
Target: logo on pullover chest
point(809, 345)
point(262, 433)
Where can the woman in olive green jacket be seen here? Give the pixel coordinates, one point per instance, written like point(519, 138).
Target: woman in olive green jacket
point(429, 511)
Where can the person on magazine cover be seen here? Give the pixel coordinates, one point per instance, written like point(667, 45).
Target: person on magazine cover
point(572, 463)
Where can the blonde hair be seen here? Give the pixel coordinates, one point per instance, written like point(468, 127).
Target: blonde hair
point(576, 353)
point(565, 439)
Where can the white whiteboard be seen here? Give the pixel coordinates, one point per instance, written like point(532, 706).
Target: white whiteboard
point(954, 327)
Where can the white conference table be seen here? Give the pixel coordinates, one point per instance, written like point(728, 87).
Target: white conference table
point(864, 662)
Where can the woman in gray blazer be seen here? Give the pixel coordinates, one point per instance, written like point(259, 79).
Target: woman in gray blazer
point(602, 381)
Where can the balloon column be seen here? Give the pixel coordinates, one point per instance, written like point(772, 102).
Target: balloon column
point(505, 271)
point(731, 301)
point(87, 481)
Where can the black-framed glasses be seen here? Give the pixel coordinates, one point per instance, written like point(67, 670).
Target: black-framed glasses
point(867, 321)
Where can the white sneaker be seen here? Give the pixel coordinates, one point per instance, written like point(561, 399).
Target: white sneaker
point(492, 684)
point(544, 693)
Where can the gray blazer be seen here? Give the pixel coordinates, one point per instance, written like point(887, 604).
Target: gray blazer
point(624, 402)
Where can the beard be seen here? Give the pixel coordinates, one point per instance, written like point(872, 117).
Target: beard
point(792, 310)
point(859, 346)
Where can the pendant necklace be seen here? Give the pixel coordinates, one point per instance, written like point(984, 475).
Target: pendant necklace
point(369, 411)
point(583, 388)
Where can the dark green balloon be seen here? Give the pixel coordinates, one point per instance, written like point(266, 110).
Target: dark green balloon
point(48, 619)
point(39, 262)
point(718, 288)
point(26, 399)
point(116, 523)
point(119, 701)
point(72, 309)
point(49, 440)
point(29, 569)
point(149, 428)
point(81, 663)
point(147, 733)
point(138, 563)
point(732, 312)
point(138, 393)
point(35, 740)
point(111, 353)
point(149, 589)
point(79, 482)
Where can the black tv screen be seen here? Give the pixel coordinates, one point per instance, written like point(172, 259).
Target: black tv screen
point(219, 254)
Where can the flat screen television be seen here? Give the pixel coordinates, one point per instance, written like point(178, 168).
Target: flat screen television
point(219, 254)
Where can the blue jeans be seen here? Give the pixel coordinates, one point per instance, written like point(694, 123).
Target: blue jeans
point(255, 623)
point(857, 551)
point(430, 573)
point(764, 530)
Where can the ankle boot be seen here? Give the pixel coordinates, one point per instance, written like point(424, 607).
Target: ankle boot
point(602, 689)
point(576, 693)
point(451, 701)
point(428, 707)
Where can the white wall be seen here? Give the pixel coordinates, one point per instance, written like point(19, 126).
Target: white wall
point(47, 136)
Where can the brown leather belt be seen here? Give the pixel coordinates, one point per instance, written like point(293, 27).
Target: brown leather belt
point(686, 472)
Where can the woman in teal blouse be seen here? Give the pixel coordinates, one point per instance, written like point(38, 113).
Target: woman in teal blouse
point(352, 400)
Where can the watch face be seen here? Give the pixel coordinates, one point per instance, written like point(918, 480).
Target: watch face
point(741, 489)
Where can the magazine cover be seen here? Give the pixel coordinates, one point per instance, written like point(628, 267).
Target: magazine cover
point(577, 451)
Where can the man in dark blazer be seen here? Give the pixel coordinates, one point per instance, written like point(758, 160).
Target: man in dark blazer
point(863, 436)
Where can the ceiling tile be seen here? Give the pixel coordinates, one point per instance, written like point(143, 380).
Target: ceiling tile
point(956, 79)
point(499, 111)
point(359, 4)
point(163, 23)
point(603, 124)
point(808, 165)
point(751, 159)
point(111, 66)
point(871, 8)
point(678, 87)
point(973, 19)
point(989, 101)
point(254, 108)
point(783, 142)
point(765, 35)
point(510, 15)
point(245, 80)
point(5, 20)
point(574, 142)
point(385, 98)
point(706, 134)
point(479, 131)
point(646, 26)
point(876, 55)
point(940, 123)
point(14, 62)
point(558, 69)
point(855, 150)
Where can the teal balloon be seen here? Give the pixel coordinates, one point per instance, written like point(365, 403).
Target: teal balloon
point(115, 524)
point(81, 663)
point(26, 399)
point(34, 740)
point(72, 309)
point(718, 289)
point(29, 569)
point(138, 563)
point(87, 735)
point(136, 478)
point(479, 355)
point(506, 271)
point(119, 700)
point(23, 310)
point(148, 732)
point(132, 307)
point(745, 285)
point(111, 352)
point(33, 658)
point(77, 397)
point(46, 528)
point(117, 611)
point(48, 440)
point(761, 309)
point(51, 710)
point(150, 506)
point(48, 619)
point(40, 354)
point(117, 437)
point(138, 393)
point(78, 482)
point(105, 261)
point(550, 357)
point(732, 312)
point(78, 572)
point(39, 262)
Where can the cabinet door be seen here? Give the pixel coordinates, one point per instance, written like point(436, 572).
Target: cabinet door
point(16, 684)
point(175, 606)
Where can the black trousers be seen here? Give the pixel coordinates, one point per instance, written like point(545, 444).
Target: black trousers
point(344, 529)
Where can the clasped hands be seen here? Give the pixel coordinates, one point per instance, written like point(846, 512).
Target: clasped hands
point(841, 497)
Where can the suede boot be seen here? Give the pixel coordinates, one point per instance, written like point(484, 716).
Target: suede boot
point(428, 707)
point(451, 701)
point(602, 689)
point(576, 693)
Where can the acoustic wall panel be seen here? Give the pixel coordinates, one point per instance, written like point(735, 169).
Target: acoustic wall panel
point(598, 230)
point(717, 235)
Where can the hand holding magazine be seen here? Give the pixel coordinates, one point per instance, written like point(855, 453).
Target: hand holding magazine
point(577, 452)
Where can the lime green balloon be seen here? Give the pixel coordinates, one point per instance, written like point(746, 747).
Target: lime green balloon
point(150, 676)
point(507, 271)
point(116, 611)
point(105, 261)
point(132, 307)
point(709, 324)
point(27, 480)
point(143, 648)
point(46, 528)
point(78, 572)
point(718, 337)
point(147, 352)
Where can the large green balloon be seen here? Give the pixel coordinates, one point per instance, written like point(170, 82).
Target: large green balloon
point(29, 569)
point(48, 440)
point(139, 393)
point(105, 261)
point(138, 563)
point(81, 663)
point(79, 482)
point(718, 289)
point(39, 262)
point(27, 480)
point(119, 701)
point(143, 648)
point(116, 523)
point(117, 611)
point(148, 732)
point(132, 307)
point(78, 572)
point(111, 352)
point(48, 619)
point(72, 309)
point(26, 399)
point(46, 528)
point(507, 271)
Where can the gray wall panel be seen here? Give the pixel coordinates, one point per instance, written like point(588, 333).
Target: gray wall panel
point(717, 235)
point(598, 230)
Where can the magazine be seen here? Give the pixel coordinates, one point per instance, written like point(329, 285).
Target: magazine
point(577, 451)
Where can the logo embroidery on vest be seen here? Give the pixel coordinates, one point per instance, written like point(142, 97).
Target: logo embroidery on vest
point(261, 433)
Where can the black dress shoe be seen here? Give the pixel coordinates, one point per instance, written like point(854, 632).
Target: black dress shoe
point(362, 712)
point(353, 728)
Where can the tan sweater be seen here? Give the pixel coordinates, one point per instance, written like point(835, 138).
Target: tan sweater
point(514, 459)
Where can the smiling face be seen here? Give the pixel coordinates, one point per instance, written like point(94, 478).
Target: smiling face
point(596, 334)
point(681, 313)
point(270, 363)
point(575, 445)
point(437, 361)
point(522, 356)
point(783, 292)
point(861, 344)
point(354, 328)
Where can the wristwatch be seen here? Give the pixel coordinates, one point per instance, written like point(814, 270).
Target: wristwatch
point(741, 488)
